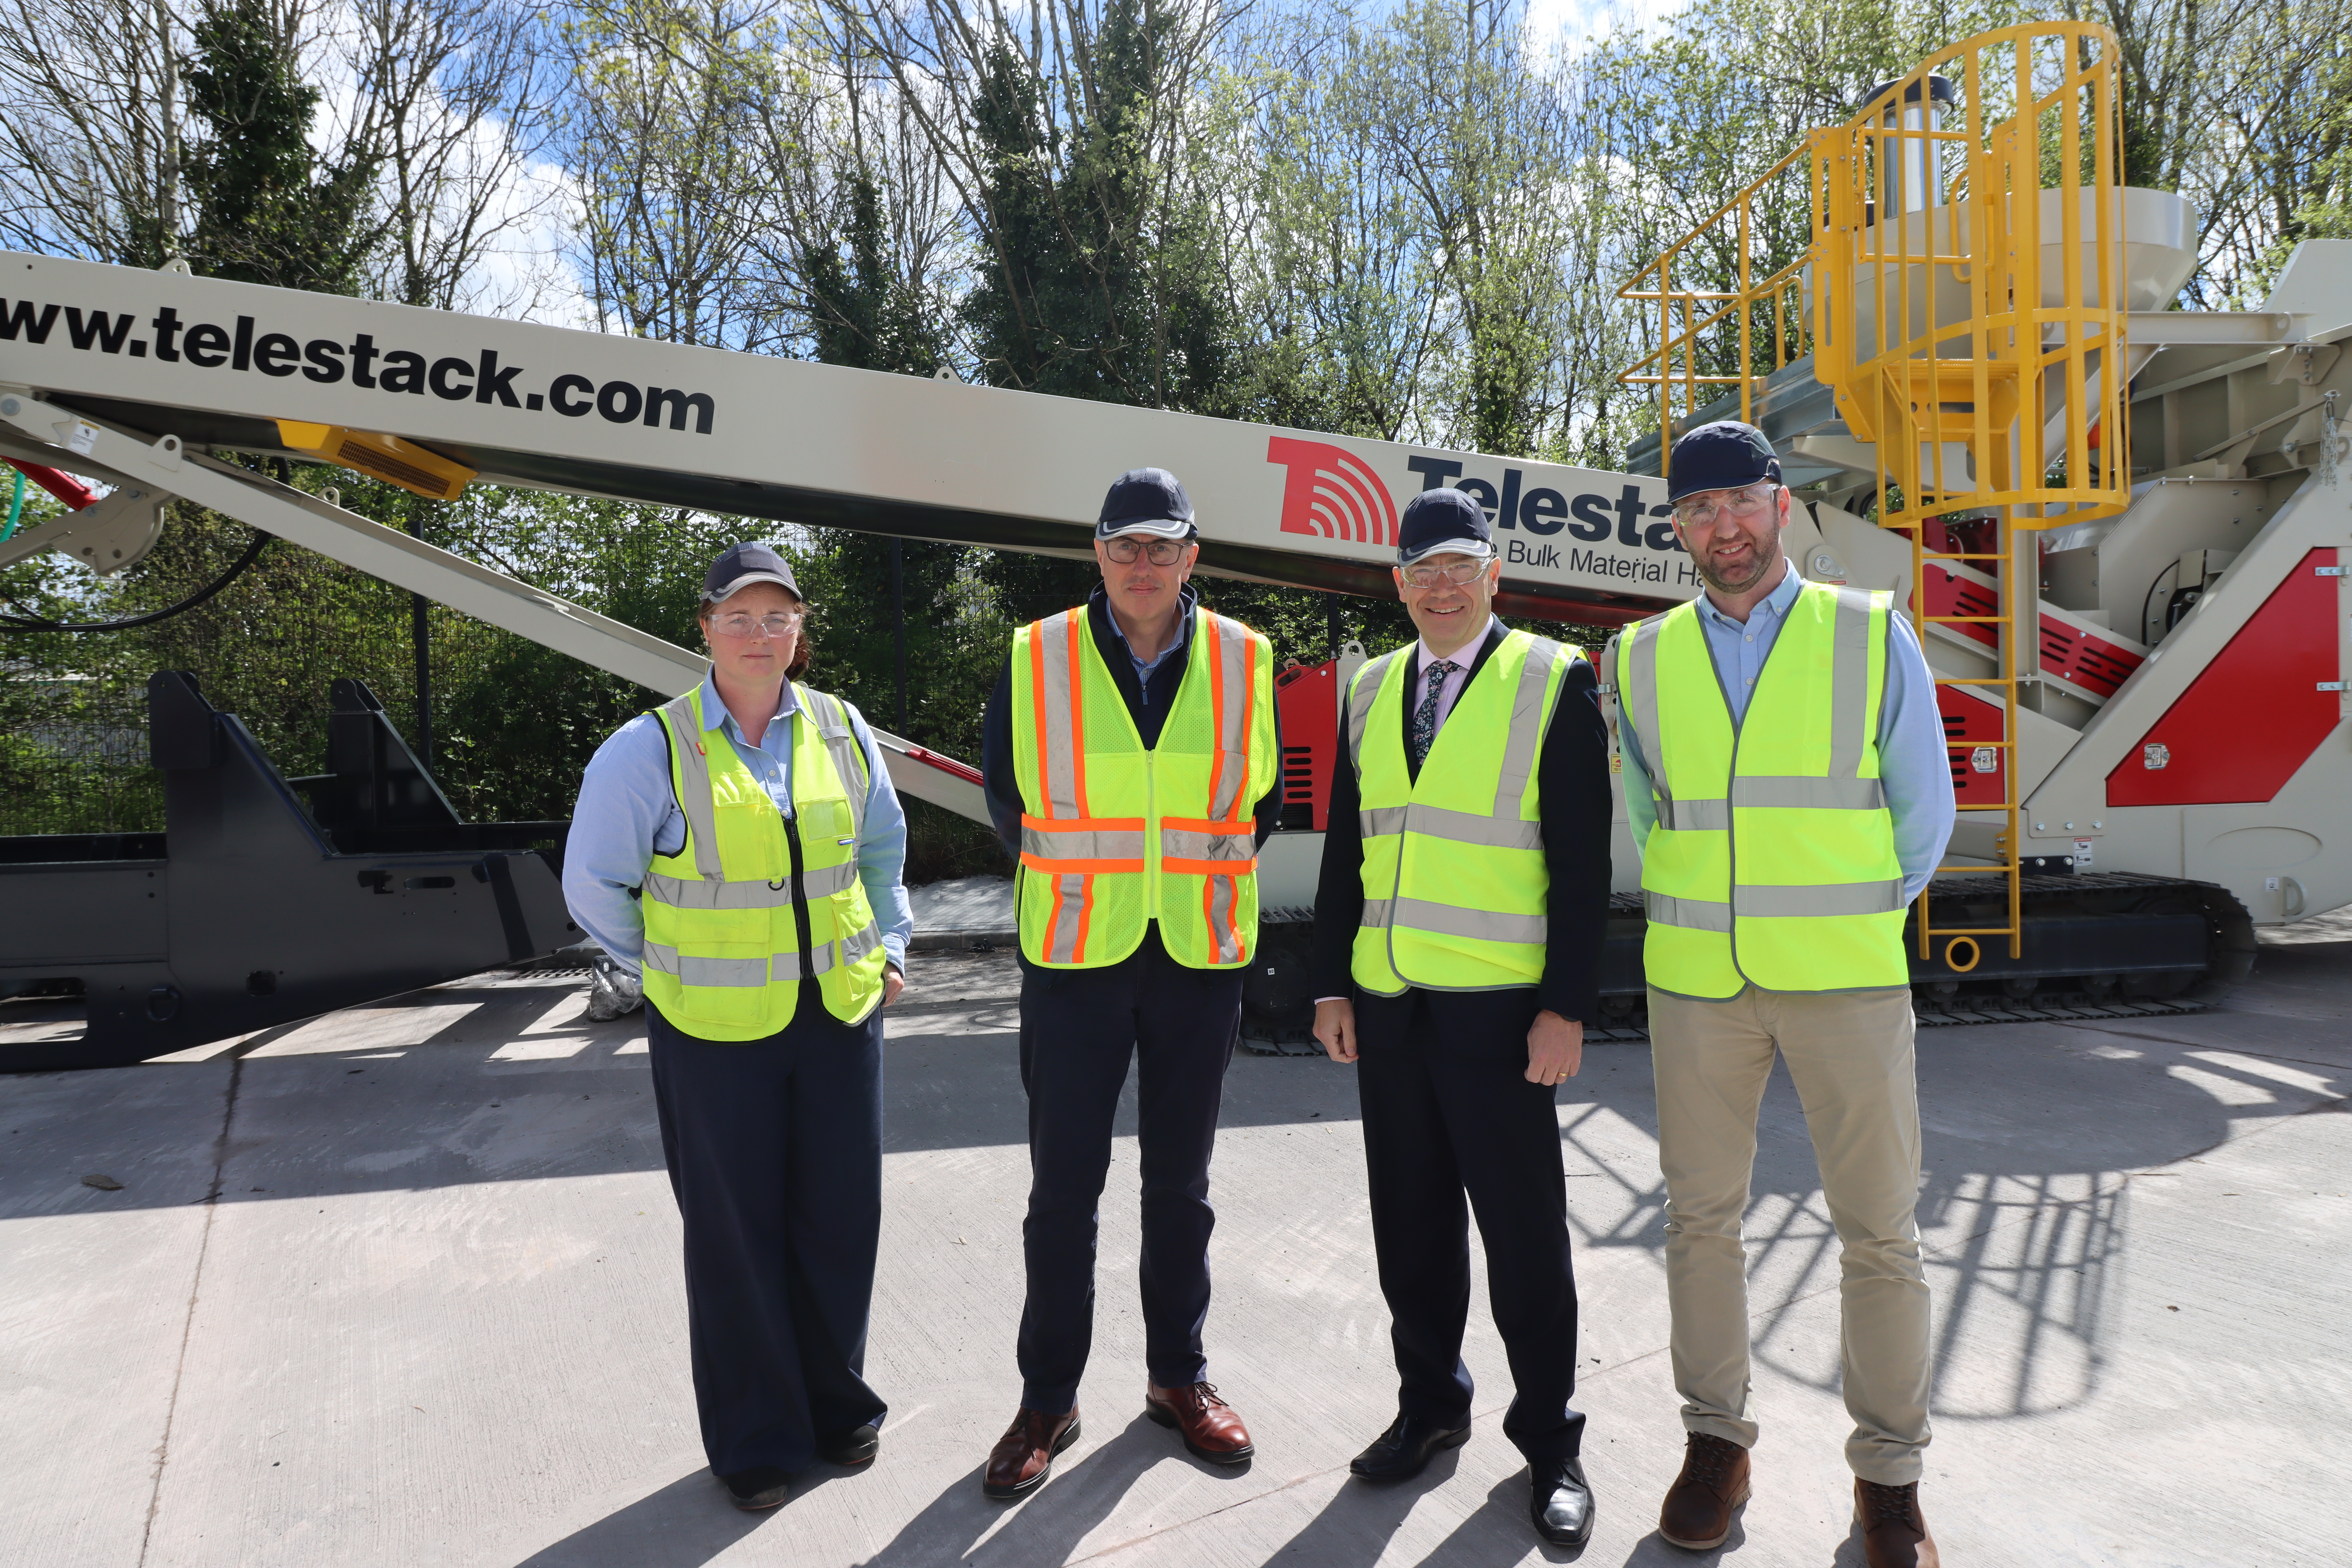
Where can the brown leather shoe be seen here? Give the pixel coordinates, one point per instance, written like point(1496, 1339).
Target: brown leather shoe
point(1208, 1423)
point(1698, 1511)
point(1023, 1457)
point(1894, 1530)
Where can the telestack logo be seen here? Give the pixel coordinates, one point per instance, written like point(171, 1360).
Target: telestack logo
point(1330, 494)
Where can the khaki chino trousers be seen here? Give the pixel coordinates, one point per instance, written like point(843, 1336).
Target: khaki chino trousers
point(1850, 1057)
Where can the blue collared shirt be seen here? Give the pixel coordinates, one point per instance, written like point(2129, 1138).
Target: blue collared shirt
point(1913, 767)
point(1186, 599)
point(629, 813)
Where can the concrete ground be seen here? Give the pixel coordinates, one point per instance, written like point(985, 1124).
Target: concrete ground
point(400, 1286)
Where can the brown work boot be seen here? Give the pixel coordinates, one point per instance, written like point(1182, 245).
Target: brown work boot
point(1023, 1457)
point(1894, 1530)
point(1697, 1512)
point(1209, 1427)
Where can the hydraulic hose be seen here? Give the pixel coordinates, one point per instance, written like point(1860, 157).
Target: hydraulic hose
point(19, 621)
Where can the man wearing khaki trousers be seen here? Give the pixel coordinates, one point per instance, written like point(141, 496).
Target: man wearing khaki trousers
point(1786, 782)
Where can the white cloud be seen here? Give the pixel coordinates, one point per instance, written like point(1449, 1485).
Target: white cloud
point(1572, 21)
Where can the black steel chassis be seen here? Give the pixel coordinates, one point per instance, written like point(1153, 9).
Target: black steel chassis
point(2095, 945)
point(253, 909)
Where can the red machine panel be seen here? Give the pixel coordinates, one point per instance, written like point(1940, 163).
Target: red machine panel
point(1952, 592)
point(2074, 652)
point(1307, 698)
point(2255, 714)
point(1971, 732)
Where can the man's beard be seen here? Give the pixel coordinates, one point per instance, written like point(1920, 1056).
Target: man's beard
point(1766, 556)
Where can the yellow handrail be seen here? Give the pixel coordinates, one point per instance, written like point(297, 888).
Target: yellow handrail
point(1963, 297)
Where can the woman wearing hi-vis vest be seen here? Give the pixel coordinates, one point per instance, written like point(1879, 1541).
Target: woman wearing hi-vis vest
point(738, 852)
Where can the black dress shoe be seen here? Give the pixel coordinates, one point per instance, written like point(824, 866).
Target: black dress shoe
point(853, 1447)
point(761, 1486)
point(1561, 1504)
point(1403, 1450)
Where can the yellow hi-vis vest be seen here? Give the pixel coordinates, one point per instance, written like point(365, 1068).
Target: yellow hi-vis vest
point(1454, 880)
point(1773, 860)
point(1113, 836)
point(723, 954)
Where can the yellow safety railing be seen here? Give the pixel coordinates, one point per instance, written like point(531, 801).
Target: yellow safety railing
point(1717, 325)
point(1970, 269)
point(1963, 296)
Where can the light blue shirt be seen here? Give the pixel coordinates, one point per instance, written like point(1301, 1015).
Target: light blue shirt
point(1187, 597)
point(1913, 767)
point(629, 813)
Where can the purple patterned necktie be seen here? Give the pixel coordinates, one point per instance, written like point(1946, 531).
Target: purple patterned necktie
point(1424, 718)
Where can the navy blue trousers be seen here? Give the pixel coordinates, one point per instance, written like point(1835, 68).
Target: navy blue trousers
point(1448, 1112)
point(775, 1154)
point(1078, 1029)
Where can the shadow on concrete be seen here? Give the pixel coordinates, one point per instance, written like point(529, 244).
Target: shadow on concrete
point(2026, 1193)
point(1047, 1525)
point(683, 1525)
point(1358, 1523)
point(1499, 1531)
point(483, 1083)
point(1654, 1551)
point(2029, 1133)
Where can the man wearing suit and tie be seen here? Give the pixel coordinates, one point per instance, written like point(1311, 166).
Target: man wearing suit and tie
point(1465, 894)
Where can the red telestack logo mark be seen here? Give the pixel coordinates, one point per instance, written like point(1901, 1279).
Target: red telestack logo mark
point(1331, 494)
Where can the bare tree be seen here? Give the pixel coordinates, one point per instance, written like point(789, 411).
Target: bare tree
point(454, 103)
point(92, 129)
point(664, 134)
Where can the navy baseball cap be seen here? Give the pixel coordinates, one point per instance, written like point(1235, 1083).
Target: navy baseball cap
point(1443, 521)
point(1724, 455)
point(1146, 501)
point(744, 564)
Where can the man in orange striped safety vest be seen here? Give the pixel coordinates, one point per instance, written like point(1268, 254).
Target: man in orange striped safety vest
point(1133, 767)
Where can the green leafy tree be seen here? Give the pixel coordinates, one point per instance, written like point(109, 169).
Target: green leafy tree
point(1097, 280)
point(267, 210)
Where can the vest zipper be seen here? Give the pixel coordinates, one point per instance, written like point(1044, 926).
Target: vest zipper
point(1738, 717)
point(800, 896)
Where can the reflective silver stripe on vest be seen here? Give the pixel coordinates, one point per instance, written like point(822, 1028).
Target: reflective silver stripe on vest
point(727, 972)
point(1832, 899)
point(1694, 815)
point(1642, 676)
point(1184, 844)
point(783, 968)
point(1478, 925)
point(681, 894)
point(1530, 716)
point(1691, 914)
point(1070, 898)
point(1098, 844)
point(1473, 827)
point(831, 717)
point(1808, 793)
point(1221, 919)
point(855, 946)
point(1377, 913)
point(1232, 695)
point(1366, 686)
point(1380, 822)
point(1057, 758)
point(694, 797)
point(1849, 682)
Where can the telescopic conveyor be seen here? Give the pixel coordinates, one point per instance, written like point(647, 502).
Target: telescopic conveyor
point(137, 381)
